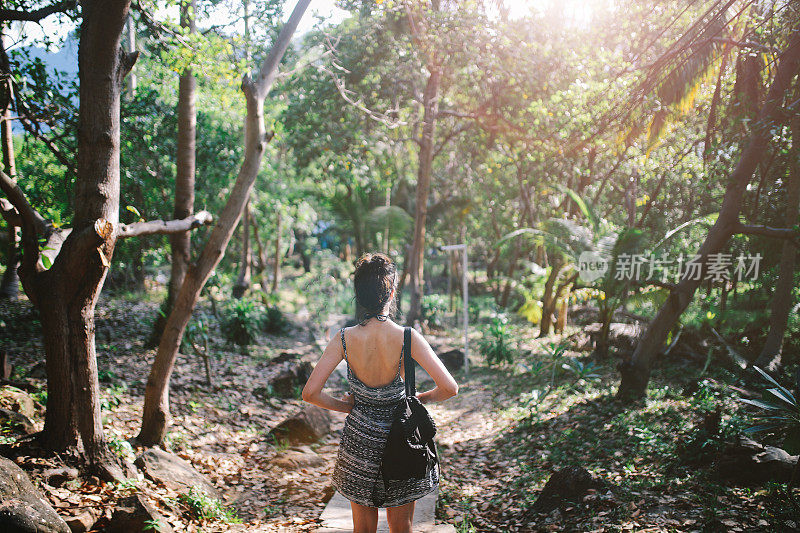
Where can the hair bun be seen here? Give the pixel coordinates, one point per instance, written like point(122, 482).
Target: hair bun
point(374, 281)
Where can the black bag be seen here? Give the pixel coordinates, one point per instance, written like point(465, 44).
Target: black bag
point(410, 451)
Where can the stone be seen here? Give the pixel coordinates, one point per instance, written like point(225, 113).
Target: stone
point(453, 360)
point(134, 513)
point(749, 462)
point(57, 476)
point(289, 381)
point(83, 521)
point(568, 484)
point(306, 426)
point(16, 421)
point(14, 399)
point(620, 335)
point(294, 460)
point(173, 472)
point(38, 370)
point(22, 508)
point(283, 357)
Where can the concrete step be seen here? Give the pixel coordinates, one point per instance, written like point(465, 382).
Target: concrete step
point(338, 517)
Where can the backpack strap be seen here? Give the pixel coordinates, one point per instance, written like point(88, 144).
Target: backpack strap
point(408, 361)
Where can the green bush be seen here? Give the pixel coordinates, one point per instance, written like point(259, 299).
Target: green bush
point(274, 321)
point(495, 344)
point(244, 318)
point(203, 507)
point(433, 308)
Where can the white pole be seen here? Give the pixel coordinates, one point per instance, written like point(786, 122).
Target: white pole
point(465, 288)
point(465, 291)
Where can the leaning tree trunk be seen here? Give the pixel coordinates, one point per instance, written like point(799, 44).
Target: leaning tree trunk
point(417, 256)
point(156, 402)
point(781, 305)
point(635, 373)
point(185, 162)
point(243, 281)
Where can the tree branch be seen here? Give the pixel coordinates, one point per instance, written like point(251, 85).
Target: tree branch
point(10, 213)
point(17, 199)
point(163, 227)
point(767, 231)
point(37, 14)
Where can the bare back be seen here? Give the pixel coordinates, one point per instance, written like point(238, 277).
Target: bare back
point(374, 352)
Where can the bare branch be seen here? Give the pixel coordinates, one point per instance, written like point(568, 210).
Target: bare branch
point(768, 231)
point(384, 118)
point(17, 199)
point(10, 213)
point(37, 14)
point(163, 227)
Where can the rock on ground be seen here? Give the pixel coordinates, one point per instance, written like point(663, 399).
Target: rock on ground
point(13, 399)
point(22, 508)
point(133, 514)
point(289, 380)
point(16, 421)
point(568, 484)
point(453, 360)
point(306, 426)
point(297, 458)
point(173, 472)
point(747, 461)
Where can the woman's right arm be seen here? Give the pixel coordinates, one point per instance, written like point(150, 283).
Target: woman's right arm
point(312, 392)
point(446, 387)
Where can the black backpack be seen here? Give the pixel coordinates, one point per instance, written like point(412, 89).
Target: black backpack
point(410, 451)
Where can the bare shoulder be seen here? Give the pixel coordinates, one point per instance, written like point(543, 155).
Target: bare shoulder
point(418, 339)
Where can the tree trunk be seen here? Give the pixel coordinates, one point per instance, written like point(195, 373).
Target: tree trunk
point(276, 267)
point(181, 243)
point(66, 294)
point(781, 304)
point(261, 253)
point(9, 286)
point(548, 301)
point(243, 282)
point(156, 401)
point(512, 267)
point(415, 271)
point(636, 372)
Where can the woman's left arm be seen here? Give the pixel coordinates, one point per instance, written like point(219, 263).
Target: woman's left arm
point(312, 392)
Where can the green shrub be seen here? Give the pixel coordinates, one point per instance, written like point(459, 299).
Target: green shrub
point(203, 507)
point(433, 309)
point(244, 318)
point(274, 321)
point(495, 344)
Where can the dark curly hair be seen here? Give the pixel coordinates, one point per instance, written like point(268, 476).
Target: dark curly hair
point(374, 280)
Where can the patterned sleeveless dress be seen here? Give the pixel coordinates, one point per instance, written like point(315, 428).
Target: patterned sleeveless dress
point(357, 475)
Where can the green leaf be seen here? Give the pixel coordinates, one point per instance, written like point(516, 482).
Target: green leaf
point(516, 233)
point(582, 205)
point(761, 404)
point(46, 262)
point(783, 397)
point(757, 429)
point(772, 380)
